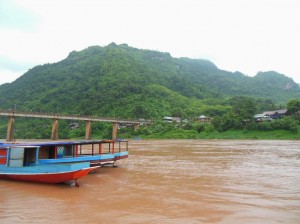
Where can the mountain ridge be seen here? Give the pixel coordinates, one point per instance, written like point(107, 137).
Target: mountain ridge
point(119, 80)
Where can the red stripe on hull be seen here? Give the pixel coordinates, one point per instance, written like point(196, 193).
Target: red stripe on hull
point(49, 178)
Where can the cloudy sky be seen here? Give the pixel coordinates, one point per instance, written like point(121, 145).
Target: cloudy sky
point(237, 35)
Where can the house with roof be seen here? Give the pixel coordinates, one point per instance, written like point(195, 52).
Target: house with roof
point(275, 114)
point(261, 118)
point(172, 119)
point(204, 119)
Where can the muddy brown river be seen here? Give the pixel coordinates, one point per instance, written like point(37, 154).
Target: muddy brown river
point(172, 181)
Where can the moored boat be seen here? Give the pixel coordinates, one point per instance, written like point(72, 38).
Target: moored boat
point(97, 152)
point(21, 163)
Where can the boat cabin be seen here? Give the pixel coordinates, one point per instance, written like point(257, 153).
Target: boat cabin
point(16, 156)
point(56, 150)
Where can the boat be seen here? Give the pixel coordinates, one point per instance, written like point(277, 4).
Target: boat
point(97, 152)
point(21, 163)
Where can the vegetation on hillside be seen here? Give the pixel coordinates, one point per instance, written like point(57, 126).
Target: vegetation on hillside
point(122, 81)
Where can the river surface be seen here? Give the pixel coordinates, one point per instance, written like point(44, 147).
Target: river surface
point(172, 181)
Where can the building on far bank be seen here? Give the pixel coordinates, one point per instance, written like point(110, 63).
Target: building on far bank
point(172, 119)
point(204, 119)
point(275, 114)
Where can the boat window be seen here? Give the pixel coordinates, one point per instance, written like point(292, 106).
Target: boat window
point(68, 151)
point(29, 156)
point(44, 153)
point(63, 151)
point(60, 151)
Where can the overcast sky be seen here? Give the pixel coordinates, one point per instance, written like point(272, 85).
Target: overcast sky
point(237, 35)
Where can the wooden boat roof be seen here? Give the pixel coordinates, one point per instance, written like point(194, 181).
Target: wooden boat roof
point(53, 143)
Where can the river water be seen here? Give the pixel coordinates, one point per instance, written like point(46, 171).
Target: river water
point(172, 181)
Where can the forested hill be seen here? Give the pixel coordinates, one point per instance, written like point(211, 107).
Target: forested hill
point(122, 81)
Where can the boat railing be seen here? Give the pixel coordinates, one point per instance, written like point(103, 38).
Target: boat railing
point(105, 147)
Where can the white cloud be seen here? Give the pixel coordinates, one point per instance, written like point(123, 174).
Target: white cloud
point(8, 76)
point(14, 17)
point(248, 36)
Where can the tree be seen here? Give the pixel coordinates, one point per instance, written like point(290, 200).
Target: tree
point(293, 106)
point(244, 107)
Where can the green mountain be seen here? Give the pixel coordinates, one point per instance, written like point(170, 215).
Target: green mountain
point(122, 81)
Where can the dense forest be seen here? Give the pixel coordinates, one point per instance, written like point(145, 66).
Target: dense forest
point(122, 81)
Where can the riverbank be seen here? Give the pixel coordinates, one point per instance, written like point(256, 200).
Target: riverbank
point(230, 134)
